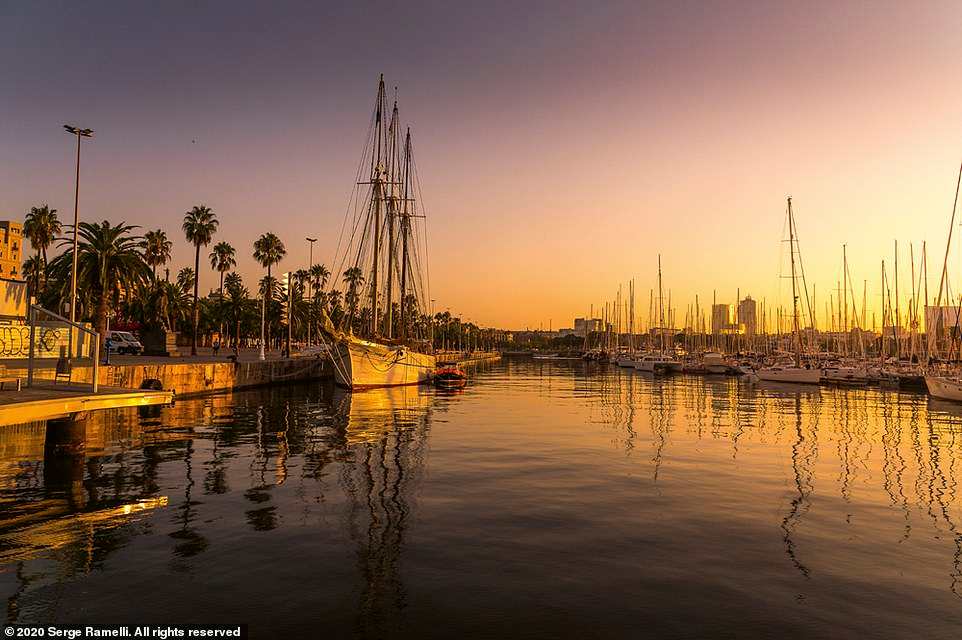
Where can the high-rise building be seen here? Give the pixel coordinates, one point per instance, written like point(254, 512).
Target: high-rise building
point(721, 318)
point(587, 325)
point(748, 315)
point(11, 249)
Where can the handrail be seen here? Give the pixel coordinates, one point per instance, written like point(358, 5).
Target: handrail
point(95, 352)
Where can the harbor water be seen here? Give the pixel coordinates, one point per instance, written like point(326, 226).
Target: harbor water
point(546, 500)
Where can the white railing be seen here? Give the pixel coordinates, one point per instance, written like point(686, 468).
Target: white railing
point(41, 342)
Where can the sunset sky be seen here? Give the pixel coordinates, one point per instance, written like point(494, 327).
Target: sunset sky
point(561, 146)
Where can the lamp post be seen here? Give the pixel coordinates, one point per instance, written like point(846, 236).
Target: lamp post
point(310, 266)
point(80, 133)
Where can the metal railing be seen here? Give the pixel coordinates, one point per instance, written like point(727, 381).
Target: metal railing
point(46, 337)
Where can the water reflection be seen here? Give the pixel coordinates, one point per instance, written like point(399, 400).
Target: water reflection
point(560, 471)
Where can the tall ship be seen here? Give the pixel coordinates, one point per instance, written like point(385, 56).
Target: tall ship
point(381, 336)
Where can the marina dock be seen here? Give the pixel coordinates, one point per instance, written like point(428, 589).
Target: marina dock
point(46, 401)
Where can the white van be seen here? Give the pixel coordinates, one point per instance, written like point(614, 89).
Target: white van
point(124, 342)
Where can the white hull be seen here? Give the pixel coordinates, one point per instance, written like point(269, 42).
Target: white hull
point(790, 374)
point(845, 375)
point(361, 364)
point(653, 364)
point(944, 388)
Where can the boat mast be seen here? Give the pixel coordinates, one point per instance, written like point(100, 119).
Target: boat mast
point(845, 298)
point(378, 196)
point(661, 309)
point(898, 315)
point(405, 231)
point(391, 215)
point(791, 251)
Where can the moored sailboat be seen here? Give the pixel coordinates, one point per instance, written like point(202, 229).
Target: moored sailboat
point(794, 372)
point(383, 337)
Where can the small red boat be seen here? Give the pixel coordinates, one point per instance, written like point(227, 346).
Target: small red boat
point(450, 376)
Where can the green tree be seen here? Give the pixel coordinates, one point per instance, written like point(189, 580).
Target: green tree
point(41, 226)
point(222, 260)
point(186, 279)
point(354, 279)
point(32, 267)
point(108, 260)
point(268, 251)
point(156, 249)
point(199, 226)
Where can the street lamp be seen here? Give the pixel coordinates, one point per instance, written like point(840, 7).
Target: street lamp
point(310, 265)
point(80, 133)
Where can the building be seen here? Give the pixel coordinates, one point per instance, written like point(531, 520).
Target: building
point(748, 315)
point(940, 321)
point(11, 249)
point(721, 318)
point(588, 325)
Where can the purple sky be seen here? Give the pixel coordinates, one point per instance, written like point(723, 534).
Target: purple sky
point(561, 145)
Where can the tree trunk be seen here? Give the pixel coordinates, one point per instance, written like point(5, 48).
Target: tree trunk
point(268, 297)
point(193, 341)
point(36, 277)
point(102, 307)
point(220, 310)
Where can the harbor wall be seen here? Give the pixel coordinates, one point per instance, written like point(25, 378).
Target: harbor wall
point(194, 378)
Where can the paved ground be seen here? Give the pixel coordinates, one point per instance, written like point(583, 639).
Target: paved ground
point(204, 354)
point(46, 399)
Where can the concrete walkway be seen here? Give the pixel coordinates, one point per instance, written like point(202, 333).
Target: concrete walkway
point(204, 355)
point(47, 400)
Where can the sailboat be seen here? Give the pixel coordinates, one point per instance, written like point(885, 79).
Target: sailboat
point(383, 338)
point(661, 362)
point(794, 372)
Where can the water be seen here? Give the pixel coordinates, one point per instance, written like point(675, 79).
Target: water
point(547, 500)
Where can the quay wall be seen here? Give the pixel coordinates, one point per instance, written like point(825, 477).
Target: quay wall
point(468, 359)
point(195, 378)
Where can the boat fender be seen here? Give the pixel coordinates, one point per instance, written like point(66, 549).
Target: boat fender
point(153, 384)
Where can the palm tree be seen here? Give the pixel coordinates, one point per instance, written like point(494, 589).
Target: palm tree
point(156, 249)
point(41, 227)
point(353, 278)
point(186, 279)
point(268, 251)
point(199, 226)
point(222, 260)
point(31, 271)
point(108, 260)
point(233, 281)
point(236, 302)
point(319, 276)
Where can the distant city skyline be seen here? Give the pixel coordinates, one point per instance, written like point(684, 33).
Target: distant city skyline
point(561, 146)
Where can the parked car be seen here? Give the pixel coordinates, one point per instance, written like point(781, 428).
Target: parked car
point(122, 342)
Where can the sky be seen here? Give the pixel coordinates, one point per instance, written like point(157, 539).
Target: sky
point(561, 146)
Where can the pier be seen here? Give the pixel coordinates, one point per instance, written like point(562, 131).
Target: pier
point(48, 401)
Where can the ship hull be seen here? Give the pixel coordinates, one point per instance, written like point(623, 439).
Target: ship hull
point(361, 364)
point(944, 388)
point(790, 374)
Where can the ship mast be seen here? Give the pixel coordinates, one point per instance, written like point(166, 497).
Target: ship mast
point(405, 231)
point(791, 251)
point(378, 196)
point(391, 215)
point(661, 309)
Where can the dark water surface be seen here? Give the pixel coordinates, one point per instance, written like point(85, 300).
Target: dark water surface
point(547, 500)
